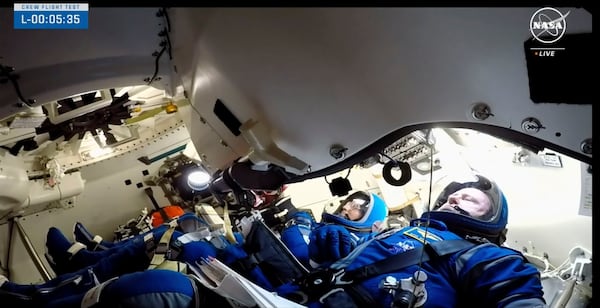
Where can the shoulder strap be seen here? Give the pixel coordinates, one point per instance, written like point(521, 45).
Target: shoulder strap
point(161, 249)
point(398, 262)
point(408, 258)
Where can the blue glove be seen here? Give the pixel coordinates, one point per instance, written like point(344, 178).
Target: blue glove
point(196, 251)
point(329, 243)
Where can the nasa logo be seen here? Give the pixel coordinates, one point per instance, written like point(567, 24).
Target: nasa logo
point(548, 25)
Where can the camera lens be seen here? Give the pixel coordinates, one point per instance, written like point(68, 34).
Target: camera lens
point(403, 299)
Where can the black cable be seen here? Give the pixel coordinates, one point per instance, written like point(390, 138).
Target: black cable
point(168, 20)
point(166, 44)
point(347, 175)
point(387, 156)
point(7, 72)
point(393, 163)
point(169, 44)
point(156, 64)
point(164, 10)
point(404, 167)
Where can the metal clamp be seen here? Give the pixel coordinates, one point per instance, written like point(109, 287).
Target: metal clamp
point(161, 248)
point(407, 292)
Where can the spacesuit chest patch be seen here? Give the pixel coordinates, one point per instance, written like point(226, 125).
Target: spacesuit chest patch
point(420, 235)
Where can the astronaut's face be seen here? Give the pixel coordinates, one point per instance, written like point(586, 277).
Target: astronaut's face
point(470, 202)
point(352, 209)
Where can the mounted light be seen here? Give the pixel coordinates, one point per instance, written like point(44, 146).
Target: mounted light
point(198, 180)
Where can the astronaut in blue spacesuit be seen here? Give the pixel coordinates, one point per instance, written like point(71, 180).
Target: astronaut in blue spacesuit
point(120, 276)
point(318, 244)
point(67, 257)
point(450, 257)
point(117, 276)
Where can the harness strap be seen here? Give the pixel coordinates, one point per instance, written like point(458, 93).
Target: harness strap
point(161, 249)
point(361, 297)
point(72, 280)
point(397, 262)
point(319, 284)
point(446, 247)
point(408, 258)
point(392, 263)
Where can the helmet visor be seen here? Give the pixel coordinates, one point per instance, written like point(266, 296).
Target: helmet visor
point(354, 207)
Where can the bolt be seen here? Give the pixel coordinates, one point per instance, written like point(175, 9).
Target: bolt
point(481, 111)
point(419, 277)
point(531, 125)
point(390, 283)
point(337, 151)
point(586, 146)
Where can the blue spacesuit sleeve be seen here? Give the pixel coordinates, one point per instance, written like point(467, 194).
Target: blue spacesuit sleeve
point(295, 235)
point(498, 277)
point(296, 239)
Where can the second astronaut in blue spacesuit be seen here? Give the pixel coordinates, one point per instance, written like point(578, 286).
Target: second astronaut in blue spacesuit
point(318, 244)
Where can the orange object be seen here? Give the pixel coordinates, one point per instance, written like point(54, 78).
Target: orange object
point(169, 212)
